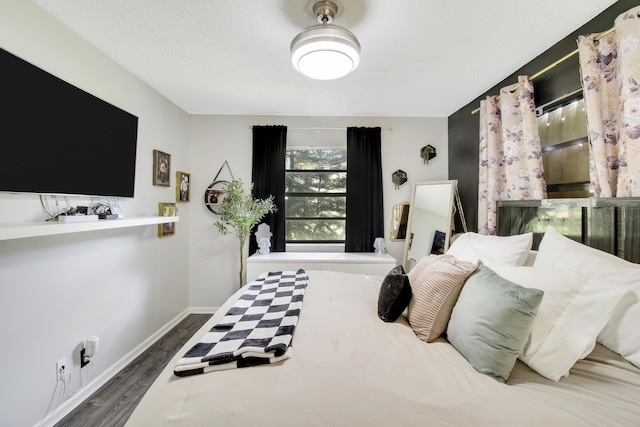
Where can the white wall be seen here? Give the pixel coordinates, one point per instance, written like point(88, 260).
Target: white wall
point(213, 258)
point(122, 285)
point(125, 285)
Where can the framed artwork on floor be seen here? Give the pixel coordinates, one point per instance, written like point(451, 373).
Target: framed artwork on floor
point(183, 186)
point(161, 168)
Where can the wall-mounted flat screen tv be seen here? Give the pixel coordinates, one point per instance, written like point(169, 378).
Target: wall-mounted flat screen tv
point(58, 139)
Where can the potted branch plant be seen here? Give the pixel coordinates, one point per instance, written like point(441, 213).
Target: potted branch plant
point(239, 212)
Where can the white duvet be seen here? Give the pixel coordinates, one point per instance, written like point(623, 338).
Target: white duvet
point(349, 368)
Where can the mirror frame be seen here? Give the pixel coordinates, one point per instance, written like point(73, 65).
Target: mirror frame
point(399, 212)
point(412, 204)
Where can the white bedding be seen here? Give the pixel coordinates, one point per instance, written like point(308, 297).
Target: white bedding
point(350, 368)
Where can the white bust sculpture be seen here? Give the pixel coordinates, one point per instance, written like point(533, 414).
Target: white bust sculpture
point(263, 237)
point(378, 245)
point(264, 244)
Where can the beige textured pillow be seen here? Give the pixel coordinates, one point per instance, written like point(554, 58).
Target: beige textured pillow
point(421, 265)
point(435, 292)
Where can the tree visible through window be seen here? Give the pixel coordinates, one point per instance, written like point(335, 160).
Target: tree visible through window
point(315, 195)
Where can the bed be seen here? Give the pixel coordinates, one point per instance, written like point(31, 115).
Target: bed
point(349, 367)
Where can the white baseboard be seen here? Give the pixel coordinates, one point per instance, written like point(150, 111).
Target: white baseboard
point(70, 404)
point(202, 310)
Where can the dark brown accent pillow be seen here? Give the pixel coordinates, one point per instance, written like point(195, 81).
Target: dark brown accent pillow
point(395, 294)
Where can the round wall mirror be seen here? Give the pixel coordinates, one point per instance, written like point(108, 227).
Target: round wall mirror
point(215, 194)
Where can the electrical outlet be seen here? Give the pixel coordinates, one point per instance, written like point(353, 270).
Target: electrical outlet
point(61, 368)
point(84, 360)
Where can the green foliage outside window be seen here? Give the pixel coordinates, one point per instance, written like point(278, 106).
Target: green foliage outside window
point(315, 195)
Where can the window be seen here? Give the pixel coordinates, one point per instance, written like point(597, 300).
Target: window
point(315, 195)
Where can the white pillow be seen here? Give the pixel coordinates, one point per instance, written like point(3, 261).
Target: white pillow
point(622, 333)
point(573, 311)
point(492, 250)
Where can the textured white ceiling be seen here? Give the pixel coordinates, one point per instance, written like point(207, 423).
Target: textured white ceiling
point(420, 58)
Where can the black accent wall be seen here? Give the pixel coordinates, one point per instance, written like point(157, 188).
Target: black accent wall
point(464, 127)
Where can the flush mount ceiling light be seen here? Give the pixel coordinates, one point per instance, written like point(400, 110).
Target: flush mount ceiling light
point(325, 51)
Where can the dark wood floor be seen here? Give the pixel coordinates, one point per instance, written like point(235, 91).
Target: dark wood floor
point(113, 403)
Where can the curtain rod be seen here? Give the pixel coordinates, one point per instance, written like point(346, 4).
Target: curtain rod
point(321, 128)
point(554, 64)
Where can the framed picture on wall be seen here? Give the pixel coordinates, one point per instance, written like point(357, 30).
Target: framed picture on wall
point(161, 168)
point(183, 186)
point(166, 229)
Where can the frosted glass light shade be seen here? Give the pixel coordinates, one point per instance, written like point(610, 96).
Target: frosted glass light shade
point(325, 52)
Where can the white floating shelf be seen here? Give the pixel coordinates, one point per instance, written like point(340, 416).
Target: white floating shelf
point(23, 230)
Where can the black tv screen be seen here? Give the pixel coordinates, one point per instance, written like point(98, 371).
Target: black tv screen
point(58, 139)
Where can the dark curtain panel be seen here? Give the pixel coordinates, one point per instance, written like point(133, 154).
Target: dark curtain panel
point(365, 216)
point(269, 151)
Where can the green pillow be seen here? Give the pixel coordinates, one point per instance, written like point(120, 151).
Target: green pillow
point(491, 321)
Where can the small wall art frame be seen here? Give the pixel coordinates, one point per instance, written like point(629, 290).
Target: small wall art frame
point(183, 186)
point(161, 168)
point(167, 209)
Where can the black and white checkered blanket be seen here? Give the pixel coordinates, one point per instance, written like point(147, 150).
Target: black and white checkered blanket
point(256, 330)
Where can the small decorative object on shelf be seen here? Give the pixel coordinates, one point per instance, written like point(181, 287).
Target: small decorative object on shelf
point(378, 245)
point(114, 207)
point(399, 177)
point(263, 238)
point(427, 153)
point(264, 244)
point(167, 209)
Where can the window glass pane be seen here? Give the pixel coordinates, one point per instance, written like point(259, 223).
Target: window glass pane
point(565, 150)
point(563, 124)
point(315, 230)
point(567, 164)
point(315, 182)
point(315, 207)
point(333, 159)
point(315, 200)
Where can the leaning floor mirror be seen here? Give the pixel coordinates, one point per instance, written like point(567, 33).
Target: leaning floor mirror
point(430, 219)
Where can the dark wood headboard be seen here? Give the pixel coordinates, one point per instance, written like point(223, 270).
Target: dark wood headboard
point(611, 225)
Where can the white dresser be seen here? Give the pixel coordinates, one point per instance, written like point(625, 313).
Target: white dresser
point(348, 262)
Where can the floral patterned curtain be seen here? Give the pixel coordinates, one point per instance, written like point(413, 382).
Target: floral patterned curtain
point(510, 153)
point(610, 70)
